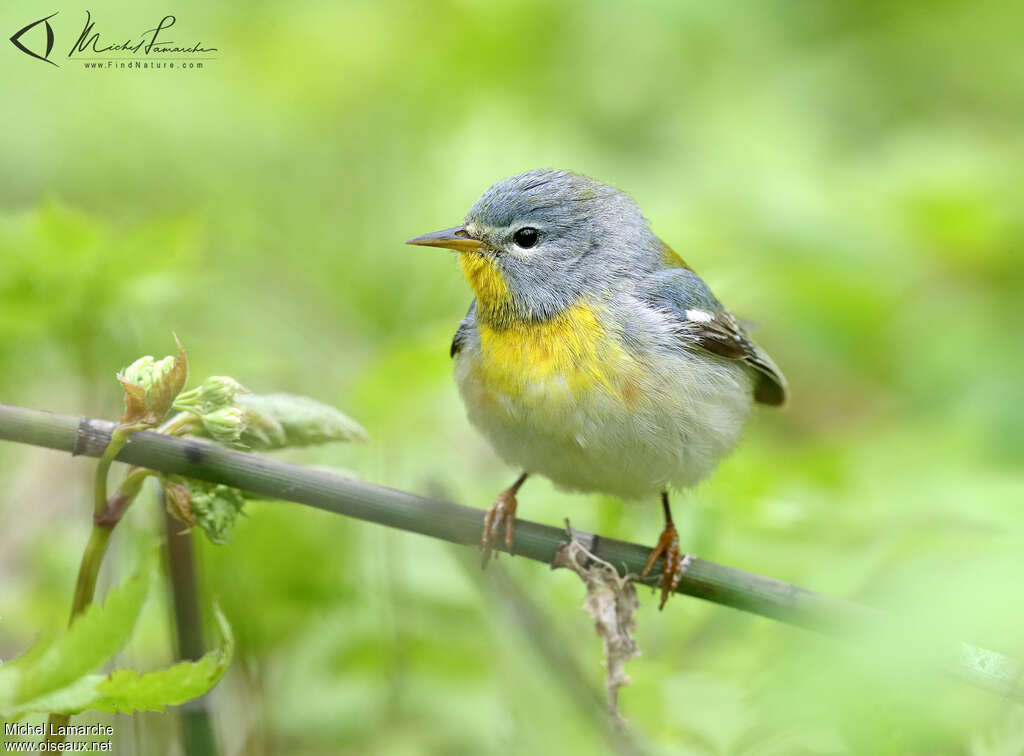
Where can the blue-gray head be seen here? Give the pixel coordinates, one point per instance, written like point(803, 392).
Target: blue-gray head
point(535, 243)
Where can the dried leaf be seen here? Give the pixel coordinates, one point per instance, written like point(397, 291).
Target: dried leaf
point(134, 403)
point(179, 501)
point(611, 601)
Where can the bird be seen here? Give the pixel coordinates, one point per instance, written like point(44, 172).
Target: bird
point(592, 354)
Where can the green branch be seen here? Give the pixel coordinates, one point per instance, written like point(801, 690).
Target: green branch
point(195, 458)
point(106, 515)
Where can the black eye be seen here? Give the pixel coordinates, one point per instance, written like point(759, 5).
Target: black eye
point(526, 237)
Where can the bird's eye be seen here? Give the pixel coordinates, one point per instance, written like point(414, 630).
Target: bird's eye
point(526, 237)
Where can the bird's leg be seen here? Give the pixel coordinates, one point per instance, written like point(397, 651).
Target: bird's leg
point(668, 547)
point(502, 513)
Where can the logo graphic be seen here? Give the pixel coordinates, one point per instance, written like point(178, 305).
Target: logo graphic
point(150, 49)
point(16, 39)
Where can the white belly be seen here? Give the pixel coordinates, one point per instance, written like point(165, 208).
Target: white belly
point(685, 414)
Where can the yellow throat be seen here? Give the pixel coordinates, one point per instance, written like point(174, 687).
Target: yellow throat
point(520, 357)
point(493, 297)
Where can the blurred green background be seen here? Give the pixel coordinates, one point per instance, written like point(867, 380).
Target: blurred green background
point(847, 175)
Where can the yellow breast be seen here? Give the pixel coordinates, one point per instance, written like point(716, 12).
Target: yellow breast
point(555, 360)
point(543, 362)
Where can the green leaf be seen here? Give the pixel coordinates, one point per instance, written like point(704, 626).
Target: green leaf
point(151, 386)
point(233, 416)
point(279, 420)
point(215, 507)
point(127, 691)
point(226, 425)
point(215, 393)
point(92, 639)
point(68, 700)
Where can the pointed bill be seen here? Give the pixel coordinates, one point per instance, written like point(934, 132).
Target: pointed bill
point(456, 238)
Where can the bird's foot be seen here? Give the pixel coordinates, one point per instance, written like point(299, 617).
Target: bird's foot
point(674, 564)
point(501, 514)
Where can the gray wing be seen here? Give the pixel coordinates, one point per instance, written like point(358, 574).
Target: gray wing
point(704, 322)
point(463, 331)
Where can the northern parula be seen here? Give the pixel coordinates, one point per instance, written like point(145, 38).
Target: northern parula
point(592, 353)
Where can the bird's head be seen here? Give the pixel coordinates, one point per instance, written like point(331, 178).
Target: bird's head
point(537, 242)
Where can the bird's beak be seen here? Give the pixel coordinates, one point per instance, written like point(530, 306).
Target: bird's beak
point(456, 238)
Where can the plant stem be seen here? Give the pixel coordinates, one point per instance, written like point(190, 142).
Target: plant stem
point(103, 526)
point(122, 498)
point(96, 548)
point(85, 588)
point(196, 728)
point(719, 583)
point(92, 557)
point(177, 423)
point(118, 439)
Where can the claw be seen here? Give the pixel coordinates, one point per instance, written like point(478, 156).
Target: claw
point(502, 514)
point(674, 562)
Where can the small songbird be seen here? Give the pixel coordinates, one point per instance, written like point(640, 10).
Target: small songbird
point(592, 354)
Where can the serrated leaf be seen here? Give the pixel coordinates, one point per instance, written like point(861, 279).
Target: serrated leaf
point(169, 379)
point(151, 386)
point(215, 508)
point(304, 422)
point(68, 700)
point(92, 639)
point(126, 691)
